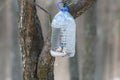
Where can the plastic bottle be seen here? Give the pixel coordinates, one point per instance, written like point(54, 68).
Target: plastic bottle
point(63, 34)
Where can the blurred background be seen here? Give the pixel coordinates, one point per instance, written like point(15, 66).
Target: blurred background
point(103, 17)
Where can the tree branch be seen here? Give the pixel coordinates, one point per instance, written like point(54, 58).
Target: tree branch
point(46, 62)
point(79, 7)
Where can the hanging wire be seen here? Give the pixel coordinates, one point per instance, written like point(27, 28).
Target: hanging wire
point(73, 2)
point(45, 10)
point(35, 4)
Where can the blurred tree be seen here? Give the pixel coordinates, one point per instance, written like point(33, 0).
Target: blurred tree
point(3, 38)
point(88, 66)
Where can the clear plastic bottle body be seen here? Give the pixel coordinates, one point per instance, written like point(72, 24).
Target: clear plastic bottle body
point(63, 35)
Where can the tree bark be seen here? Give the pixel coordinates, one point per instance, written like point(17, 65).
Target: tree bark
point(31, 41)
point(76, 8)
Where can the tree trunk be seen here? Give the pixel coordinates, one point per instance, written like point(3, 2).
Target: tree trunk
point(88, 66)
point(31, 39)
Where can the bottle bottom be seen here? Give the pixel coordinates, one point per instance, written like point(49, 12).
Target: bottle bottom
point(61, 54)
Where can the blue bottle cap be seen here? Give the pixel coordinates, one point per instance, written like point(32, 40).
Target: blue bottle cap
point(63, 9)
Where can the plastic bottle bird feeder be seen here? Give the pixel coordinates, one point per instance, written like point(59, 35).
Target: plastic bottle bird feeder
point(63, 33)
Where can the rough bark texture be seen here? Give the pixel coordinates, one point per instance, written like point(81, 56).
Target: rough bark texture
point(46, 62)
point(31, 39)
point(77, 7)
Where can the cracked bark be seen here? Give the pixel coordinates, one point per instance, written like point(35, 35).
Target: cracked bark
point(31, 40)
